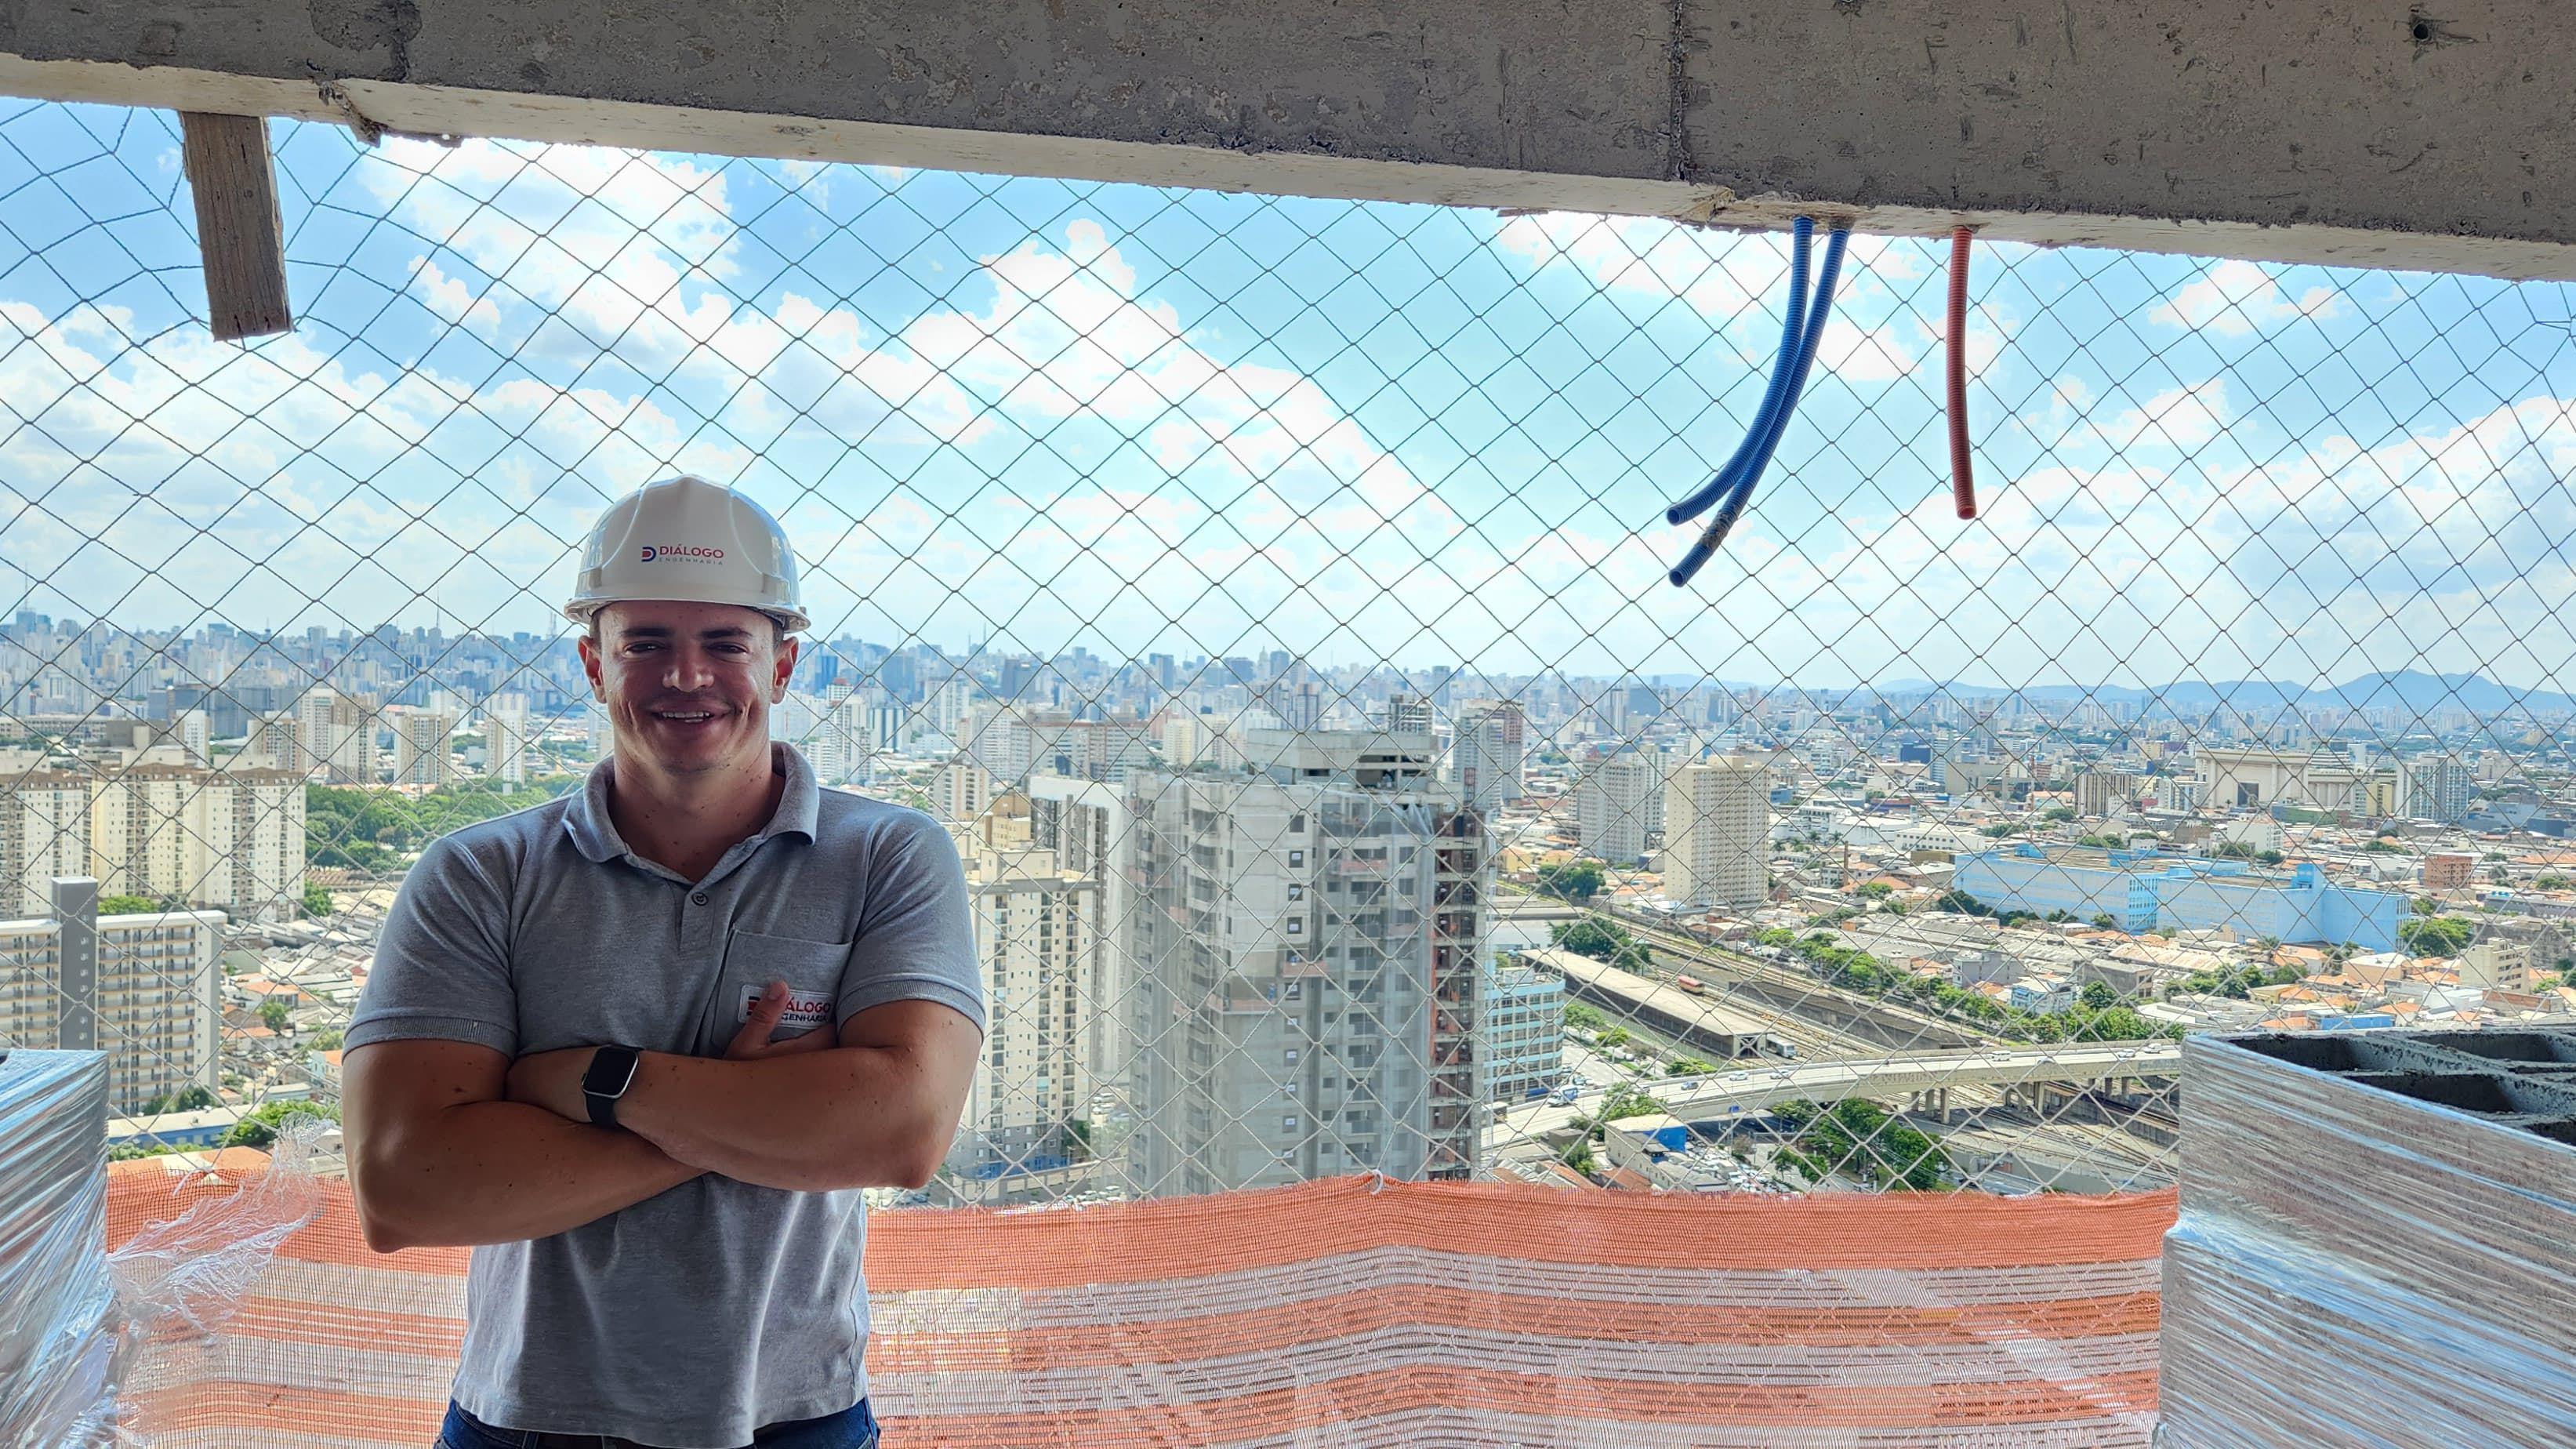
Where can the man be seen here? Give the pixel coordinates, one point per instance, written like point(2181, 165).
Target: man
point(564, 1055)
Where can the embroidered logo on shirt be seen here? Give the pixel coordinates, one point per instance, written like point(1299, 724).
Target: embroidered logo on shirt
point(805, 1009)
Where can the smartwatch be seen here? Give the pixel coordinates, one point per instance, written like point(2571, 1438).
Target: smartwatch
point(611, 1071)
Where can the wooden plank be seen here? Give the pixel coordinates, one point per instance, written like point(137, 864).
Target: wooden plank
point(239, 231)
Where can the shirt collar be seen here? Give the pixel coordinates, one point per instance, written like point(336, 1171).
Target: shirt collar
point(594, 832)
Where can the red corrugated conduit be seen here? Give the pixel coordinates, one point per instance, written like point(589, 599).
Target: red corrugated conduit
point(1963, 483)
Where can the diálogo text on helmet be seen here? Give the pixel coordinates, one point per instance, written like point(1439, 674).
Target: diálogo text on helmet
point(691, 554)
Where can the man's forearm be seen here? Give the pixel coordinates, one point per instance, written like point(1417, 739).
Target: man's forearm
point(500, 1172)
point(853, 1116)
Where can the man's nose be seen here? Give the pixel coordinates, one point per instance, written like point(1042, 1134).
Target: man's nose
point(688, 669)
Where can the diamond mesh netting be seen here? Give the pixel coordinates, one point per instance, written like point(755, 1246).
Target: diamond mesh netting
point(1270, 595)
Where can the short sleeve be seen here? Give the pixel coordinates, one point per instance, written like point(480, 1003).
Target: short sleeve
point(916, 939)
point(442, 962)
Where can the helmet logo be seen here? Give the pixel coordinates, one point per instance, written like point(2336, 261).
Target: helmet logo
point(648, 554)
point(689, 553)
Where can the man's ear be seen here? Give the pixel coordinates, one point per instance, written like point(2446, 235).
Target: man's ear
point(590, 664)
point(787, 651)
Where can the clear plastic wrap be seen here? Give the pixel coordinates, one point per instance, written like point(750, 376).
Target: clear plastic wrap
point(2371, 1249)
point(82, 1328)
point(56, 1299)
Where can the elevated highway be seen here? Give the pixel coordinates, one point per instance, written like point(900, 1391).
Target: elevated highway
point(1910, 1074)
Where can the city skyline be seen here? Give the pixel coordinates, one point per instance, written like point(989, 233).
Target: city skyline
point(2384, 689)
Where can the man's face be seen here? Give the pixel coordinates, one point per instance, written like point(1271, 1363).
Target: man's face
point(688, 686)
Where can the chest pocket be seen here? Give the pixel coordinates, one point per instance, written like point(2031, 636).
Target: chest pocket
point(811, 969)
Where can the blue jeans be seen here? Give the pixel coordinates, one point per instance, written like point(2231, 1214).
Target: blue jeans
point(852, 1428)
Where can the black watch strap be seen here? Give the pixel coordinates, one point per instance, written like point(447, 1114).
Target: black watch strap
point(611, 1071)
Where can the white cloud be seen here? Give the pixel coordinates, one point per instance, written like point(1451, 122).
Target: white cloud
point(2181, 417)
point(1058, 447)
point(2234, 298)
point(1876, 354)
point(452, 299)
point(1717, 274)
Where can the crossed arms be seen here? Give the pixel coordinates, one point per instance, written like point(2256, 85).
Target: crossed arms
point(452, 1143)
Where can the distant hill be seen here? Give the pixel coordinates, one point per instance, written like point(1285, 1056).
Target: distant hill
point(2410, 689)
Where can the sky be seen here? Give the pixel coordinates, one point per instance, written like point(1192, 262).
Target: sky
point(1142, 420)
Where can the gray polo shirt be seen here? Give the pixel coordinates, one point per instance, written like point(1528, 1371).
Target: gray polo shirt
point(692, 1318)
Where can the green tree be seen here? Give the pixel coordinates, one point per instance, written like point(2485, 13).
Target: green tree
point(1875, 890)
point(1626, 1100)
point(371, 829)
point(261, 1127)
point(2552, 882)
point(1964, 903)
point(1603, 941)
point(194, 1099)
point(2097, 996)
point(2000, 831)
point(317, 901)
point(1575, 880)
point(2059, 814)
point(1863, 1139)
point(324, 1041)
point(2436, 935)
point(1688, 1067)
point(274, 1013)
point(130, 906)
point(2105, 922)
point(1586, 1017)
point(1616, 1036)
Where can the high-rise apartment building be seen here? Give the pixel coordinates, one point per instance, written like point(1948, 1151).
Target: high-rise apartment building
point(141, 988)
point(1524, 1031)
point(1306, 939)
point(44, 833)
point(832, 732)
point(1717, 833)
point(2436, 787)
point(962, 790)
point(1491, 749)
point(231, 839)
point(2100, 792)
point(1619, 806)
point(1408, 713)
point(1087, 825)
point(507, 742)
point(1037, 928)
point(335, 740)
point(422, 740)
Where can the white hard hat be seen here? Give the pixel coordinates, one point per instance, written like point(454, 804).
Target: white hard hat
point(692, 541)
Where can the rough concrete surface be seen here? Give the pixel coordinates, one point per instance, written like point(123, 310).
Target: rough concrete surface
point(2372, 132)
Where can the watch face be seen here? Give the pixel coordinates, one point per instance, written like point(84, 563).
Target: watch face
point(609, 1072)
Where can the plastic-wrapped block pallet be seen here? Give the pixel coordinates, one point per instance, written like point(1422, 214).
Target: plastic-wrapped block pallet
point(2377, 1243)
point(55, 1296)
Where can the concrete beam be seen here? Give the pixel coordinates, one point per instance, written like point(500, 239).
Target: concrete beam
point(2364, 133)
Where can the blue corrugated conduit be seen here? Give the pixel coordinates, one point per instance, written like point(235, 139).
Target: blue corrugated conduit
point(1799, 340)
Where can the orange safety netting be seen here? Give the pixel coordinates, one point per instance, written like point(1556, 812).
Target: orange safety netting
point(1336, 1312)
